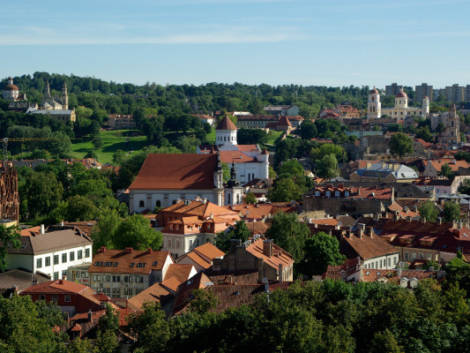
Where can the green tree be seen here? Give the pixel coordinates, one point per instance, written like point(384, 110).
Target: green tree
point(106, 342)
point(202, 301)
point(384, 342)
point(291, 168)
point(239, 231)
point(81, 346)
point(105, 229)
point(451, 211)
point(321, 250)
point(428, 211)
point(308, 130)
point(136, 232)
point(289, 233)
point(80, 208)
point(327, 167)
point(446, 171)
point(401, 144)
point(9, 238)
point(284, 190)
point(250, 198)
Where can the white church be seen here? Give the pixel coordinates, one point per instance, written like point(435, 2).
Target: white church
point(249, 161)
point(399, 112)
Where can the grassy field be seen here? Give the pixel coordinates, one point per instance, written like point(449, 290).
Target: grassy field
point(113, 140)
point(272, 137)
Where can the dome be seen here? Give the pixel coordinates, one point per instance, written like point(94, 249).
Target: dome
point(11, 86)
point(401, 94)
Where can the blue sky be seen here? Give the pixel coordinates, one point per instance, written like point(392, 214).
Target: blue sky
point(310, 42)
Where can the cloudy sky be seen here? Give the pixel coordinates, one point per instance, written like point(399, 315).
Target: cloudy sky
point(318, 42)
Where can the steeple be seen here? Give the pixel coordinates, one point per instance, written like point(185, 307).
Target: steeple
point(65, 97)
point(48, 90)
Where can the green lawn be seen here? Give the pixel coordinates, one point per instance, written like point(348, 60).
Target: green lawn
point(113, 140)
point(272, 137)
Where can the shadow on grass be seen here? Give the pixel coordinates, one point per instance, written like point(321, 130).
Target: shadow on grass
point(125, 146)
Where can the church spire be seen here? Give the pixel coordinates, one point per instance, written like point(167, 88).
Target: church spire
point(65, 97)
point(48, 90)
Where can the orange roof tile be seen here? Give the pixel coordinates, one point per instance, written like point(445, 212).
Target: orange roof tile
point(226, 124)
point(152, 294)
point(180, 271)
point(128, 261)
point(209, 251)
point(235, 157)
point(369, 247)
point(176, 171)
point(279, 257)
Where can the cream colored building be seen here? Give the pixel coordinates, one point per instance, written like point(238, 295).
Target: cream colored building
point(401, 109)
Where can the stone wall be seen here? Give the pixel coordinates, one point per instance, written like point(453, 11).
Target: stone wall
point(9, 197)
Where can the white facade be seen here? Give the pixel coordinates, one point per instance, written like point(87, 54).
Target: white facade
point(386, 262)
point(55, 264)
point(141, 200)
point(180, 244)
point(374, 107)
point(226, 140)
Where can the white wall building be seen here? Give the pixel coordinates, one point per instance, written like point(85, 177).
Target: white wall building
point(51, 252)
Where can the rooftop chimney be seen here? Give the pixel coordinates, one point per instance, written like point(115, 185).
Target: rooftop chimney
point(362, 228)
point(268, 247)
point(43, 230)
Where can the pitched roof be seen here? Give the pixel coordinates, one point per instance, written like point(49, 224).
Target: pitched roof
point(155, 293)
point(454, 164)
point(62, 286)
point(368, 247)
point(279, 257)
point(235, 157)
point(20, 279)
point(209, 251)
point(199, 209)
point(226, 124)
point(176, 171)
point(373, 275)
point(179, 271)
point(128, 261)
point(54, 239)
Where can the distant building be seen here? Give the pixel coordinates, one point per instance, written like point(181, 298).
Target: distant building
point(261, 255)
point(50, 251)
point(266, 121)
point(423, 90)
point(400, 111)
point(342, 111)
point(393, 89)
point(122, 273)
point(454, 94)
point(121, 121)
point(186, 225)
point(55, 107)
point(384, 173)
point(202, 257)
point(450, 126)
point(283, 110)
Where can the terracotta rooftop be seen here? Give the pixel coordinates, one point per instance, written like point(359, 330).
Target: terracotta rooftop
point(179, 271)
point(279, 257)
point(230, 157)
point(155, 293)
point(454, 164)
point(368, 247)
point(176, 171)
point(226, 124)
point(128, 261)
point(199, 209)
point(62, 286)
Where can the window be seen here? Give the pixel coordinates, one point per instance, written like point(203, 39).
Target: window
point(141, 265)
point(38, 263)
point(56, 275)
point(116, 278)
point(54, 299)
point(116, 292)
point(64, 257)
point(64, 274)
point(87, 252)
point(56, 259)
point(107, 278)
point(47, 259)
point(42, 297)
point(158, 203)
point(126, 279)
point(79, 254)
point(141, 203)
point(67, 298)
point(72, 256)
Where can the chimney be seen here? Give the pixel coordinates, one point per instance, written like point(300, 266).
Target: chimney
point(43, 230)
point(370, 231)
point(268, 247)
point(362, 228)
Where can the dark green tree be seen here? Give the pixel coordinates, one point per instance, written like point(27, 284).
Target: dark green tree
point(428, 211)
point(136, 232)
point(321, 250)
point(451, 211)
point(401, 144)
point(224, 239)
point(327, 167)
point(9, 238)
point(289, 233)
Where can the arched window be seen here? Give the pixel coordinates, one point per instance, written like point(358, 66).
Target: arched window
point(141, 203)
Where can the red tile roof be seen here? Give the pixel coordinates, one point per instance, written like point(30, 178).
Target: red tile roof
point(155, 293)
point(176, 171)
point(128, 261)
point(279, 257)
point(230, 157)
point(179, 271)
point(368, 247)
point(226, 124)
